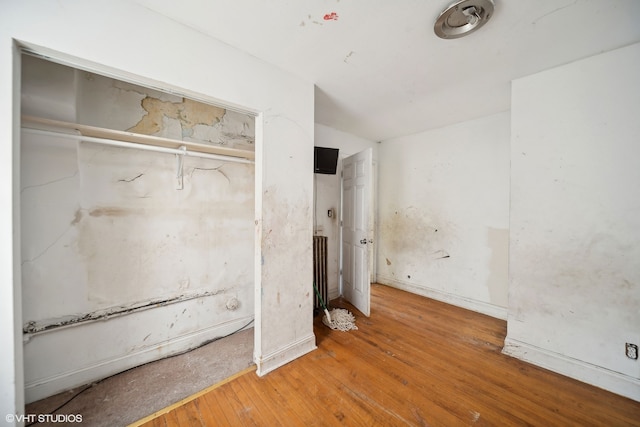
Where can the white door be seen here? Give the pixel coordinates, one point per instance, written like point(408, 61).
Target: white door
point(357, 238)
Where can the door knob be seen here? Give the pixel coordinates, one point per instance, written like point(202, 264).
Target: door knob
point(363, 241)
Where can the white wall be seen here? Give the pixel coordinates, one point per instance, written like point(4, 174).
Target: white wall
point(327, 195)
point(444, 213)
point(133, 43)
point(105, 230)
point(574, 286)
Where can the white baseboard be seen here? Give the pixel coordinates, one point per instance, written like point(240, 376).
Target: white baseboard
point(269, 362)
point(612, 381)
point(457, 300)
point(44, 387)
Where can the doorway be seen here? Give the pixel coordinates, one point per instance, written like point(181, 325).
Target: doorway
point(330, 215)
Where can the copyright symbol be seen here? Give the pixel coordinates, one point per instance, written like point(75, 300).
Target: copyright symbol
point(9, 418)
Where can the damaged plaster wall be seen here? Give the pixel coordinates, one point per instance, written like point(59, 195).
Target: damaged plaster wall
point(107, 236)
point(327, 196)
point(574, 286)
point(444, 214)
point(181, 60)
point(152, 112)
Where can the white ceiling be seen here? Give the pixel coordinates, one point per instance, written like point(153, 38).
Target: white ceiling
point(379, 69)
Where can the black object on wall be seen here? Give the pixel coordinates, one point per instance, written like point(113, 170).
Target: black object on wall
point(325, 160)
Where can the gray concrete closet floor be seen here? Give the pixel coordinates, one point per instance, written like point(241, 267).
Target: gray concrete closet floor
point(134, 394)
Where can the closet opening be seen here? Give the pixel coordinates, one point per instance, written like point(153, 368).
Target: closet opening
point(137, 225)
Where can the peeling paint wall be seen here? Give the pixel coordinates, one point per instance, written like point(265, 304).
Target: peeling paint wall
point(106, 234)
point(574, 289)
point(327, 196)
point(152, 112)
point(443, 213)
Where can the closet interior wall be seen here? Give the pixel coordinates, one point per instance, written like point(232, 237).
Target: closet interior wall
point(119, 266)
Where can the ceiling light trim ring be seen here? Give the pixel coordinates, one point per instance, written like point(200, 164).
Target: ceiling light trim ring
point(463, 17)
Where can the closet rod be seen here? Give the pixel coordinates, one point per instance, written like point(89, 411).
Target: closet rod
point(124, 144)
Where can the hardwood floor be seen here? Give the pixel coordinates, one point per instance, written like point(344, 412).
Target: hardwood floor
point(415, 361)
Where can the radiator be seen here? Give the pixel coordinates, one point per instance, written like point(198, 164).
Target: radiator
point(320, 272)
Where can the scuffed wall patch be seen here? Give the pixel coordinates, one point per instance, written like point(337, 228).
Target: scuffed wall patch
point(409, 221)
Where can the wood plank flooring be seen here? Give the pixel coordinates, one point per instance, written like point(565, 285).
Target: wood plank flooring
point(415, 361)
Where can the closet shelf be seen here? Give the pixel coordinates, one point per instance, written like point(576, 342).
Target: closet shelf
point(136, 138)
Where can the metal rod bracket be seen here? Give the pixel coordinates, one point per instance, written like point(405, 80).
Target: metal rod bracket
point(180, 168)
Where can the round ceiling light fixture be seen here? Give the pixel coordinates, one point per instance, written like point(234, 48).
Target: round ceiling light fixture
point(463, 17)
